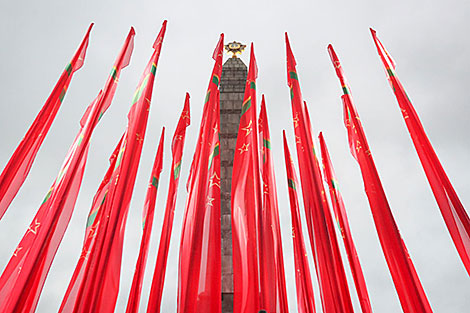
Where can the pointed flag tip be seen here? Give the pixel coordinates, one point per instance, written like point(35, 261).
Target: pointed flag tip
point(160, 145)
point(163, 28)
point(252, 50)
point(335, 60)
point(372, 31)
point(219, 48)
point(132, 31)
point(289, 54)
point(331, 50)
point(284, 139)
point(263, 107)
point(160, 36)
point(287, 42)
point(186, 106)
point(89, 29)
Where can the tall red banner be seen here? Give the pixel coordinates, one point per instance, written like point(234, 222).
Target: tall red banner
point(94, 217)
point(247, 204)
point(303, 280)
point(199, 276)
point(99, 285)
point(147, 223)
point(177, 146)
point(330, 271)
point(342, 220)
point(22, 281)
point(409, 289)
point(17, 168)
point(272, 276)
point(452, 210)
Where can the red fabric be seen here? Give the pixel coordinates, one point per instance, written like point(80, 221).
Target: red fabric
point(147, 223)
point(99, 287)
point(94, 218)
point(164, 245)
point(342, 220)
point(407, 284)
point(272, 276)
point(303, 280)
point(17, 168)
point(452, 210)
point(330, 271)
point(247, 205)
point(98, 199)
point(199, 275)
point(37, 249)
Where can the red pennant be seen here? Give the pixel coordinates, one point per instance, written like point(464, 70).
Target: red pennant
point(330, 271)
point(199, 276)
point(94, 217)
point(177, 146)
point(452, 210)
point(246, 203)
point(303, 280)
point(37, 249)
point(147, 223)
point(342, 220)
point(99, 287)
point(407, 284)
point(272, 276)
point(17, 168)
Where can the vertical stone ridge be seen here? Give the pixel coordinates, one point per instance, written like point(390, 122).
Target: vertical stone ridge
point(232, 87)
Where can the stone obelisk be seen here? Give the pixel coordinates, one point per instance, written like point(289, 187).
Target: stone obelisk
point(232, 87)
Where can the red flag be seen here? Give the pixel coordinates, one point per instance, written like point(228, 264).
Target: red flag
point(177, 146)
point(199, 271)
point(99, 287)
point(330, 271)
point(407, 284)
point(343, 224)
point(98, 200)
point(303, 281)
point(452, 210)
point(272, 276)
point(17, 168)
point(246, 203)
point(94, 217)
point(147, 222)
point(27, 270)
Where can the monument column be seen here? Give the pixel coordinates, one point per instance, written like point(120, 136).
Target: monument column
point(232, 88)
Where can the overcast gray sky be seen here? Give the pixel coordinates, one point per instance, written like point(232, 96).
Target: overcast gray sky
point(428, 40)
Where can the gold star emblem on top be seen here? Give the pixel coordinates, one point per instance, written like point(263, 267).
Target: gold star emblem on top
point(234, 48)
